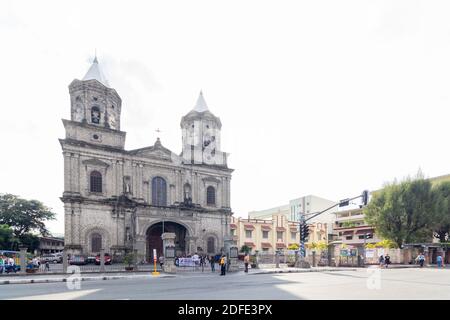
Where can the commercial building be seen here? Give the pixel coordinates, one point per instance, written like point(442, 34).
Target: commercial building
point(50, 245)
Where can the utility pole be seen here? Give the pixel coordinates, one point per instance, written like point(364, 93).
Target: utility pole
point(304, 227)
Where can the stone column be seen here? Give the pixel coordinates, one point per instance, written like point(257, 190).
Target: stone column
point(65, 261)
point(23, 259)
point(140, 185)
point(67, 175)
point(168, 239)
point(233, 259)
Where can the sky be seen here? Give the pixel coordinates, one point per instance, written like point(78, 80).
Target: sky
point(315, 97)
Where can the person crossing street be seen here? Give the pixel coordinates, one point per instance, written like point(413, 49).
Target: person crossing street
point(223, 265)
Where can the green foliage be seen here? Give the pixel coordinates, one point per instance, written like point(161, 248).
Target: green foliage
point(24, 216)
point(319, 246)
point(245, 249)
point(293, 246)
point(7, 239)
point(129, 259)
point(402, 212)
point(385, 243)
point(30, 241)
point(348, 224)
point(441, 210)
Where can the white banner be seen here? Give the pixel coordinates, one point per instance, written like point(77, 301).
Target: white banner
point(188, 262)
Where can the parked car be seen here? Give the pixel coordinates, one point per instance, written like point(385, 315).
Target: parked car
point(52, 258)
point(90, 260)
point(77, 259)
point(108, 259)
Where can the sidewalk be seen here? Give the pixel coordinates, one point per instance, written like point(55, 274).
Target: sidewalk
point(298, 270)
point(25, 279)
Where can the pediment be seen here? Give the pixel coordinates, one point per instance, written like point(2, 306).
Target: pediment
point(154, 153)
point(95, 162)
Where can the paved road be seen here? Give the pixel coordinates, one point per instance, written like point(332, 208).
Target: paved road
point(361, 284)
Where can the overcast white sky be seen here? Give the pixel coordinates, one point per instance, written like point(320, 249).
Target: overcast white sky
point(316, 97)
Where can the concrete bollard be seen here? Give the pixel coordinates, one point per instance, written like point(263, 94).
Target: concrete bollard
point(65, 261)
point(102, 260)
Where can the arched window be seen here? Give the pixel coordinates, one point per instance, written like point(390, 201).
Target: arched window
point(211, 248)
point(159, 191)
point(96, 242)
point(210, 196)
point(95, 115)
point(96, 181)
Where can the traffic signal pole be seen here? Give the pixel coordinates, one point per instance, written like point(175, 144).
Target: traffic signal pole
point(303, 220)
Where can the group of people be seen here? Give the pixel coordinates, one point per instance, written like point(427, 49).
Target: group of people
point(6, 264)
point(204, 260)
point(384, 261)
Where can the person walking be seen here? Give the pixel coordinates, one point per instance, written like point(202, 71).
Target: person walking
point(387, 260)
point(439, 261)
point(47, 265)
point(246, 262)
point(212, 261)
point(421, 259)
point(381, 261)
point(161, 261)
point(223, 265)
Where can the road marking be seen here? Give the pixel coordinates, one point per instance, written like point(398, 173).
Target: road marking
point(70, 295)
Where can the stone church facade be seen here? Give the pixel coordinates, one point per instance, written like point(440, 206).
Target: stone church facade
point(121, 200)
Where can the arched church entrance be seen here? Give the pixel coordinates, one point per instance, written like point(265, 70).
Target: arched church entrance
point(154, 240)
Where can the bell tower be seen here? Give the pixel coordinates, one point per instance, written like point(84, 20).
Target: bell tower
point(95, 110)
point(93, 101)
point(201, 136)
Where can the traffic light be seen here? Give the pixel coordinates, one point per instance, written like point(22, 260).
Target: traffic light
point(304, 232)
point(365, 197)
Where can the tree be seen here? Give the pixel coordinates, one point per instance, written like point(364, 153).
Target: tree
point(7, 240)
point(24, 216)
point(385, 243)
point(441, 211)
point(293, 246)
point(245, 249)
point(30, 241)
point(402, 212)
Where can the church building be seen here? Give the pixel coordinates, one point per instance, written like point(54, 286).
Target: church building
point(122, 200)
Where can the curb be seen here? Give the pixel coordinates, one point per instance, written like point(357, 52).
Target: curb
point(52, 280)
point(302, 271)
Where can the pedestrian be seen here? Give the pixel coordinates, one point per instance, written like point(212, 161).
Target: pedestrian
point(246, 262)
point(223, 265)
point(421, 260)
point(161, 261)
point(381, 261)
point(47, 265)
point(202, 262)
point(212, 261)
point(439, 261)
point(387, 260)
